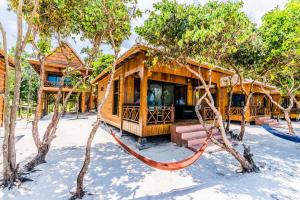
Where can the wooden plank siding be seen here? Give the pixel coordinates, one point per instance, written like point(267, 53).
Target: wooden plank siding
point(55, 63)
point(2, 82)
point(132, 65)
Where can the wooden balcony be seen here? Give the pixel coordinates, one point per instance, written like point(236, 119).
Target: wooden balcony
point(295, 111)
point(56, 84)
point(207, 113)
point(254, 111)
point(131, 113)
point(259, 111)
point(161, 115)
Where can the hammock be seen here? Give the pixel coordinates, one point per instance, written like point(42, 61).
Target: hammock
point(293, 138)
point(170, 166)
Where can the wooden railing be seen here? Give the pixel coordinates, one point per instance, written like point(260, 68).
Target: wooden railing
point(256, 110)
point(295, 111)
point(56, 84)
point(160, 115)
point(131, 113)
point(208, 113)
point(234, 111)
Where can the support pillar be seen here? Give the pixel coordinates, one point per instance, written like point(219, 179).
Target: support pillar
point(83, 104)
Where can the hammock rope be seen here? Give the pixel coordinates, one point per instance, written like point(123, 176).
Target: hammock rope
point(167, 166)
point(285, 136)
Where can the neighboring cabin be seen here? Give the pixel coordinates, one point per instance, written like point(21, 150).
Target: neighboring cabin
point(2, 81)
point(55, 63)
point(146, 102)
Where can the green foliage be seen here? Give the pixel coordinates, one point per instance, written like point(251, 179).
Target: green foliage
point(102, 62)
point(210, 33)
point(29, 81)
point(280, 32)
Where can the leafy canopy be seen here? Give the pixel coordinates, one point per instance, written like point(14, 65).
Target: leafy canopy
point(280, 32)
point(210, 33)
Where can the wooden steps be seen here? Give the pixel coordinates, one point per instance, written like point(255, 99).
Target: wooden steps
point(192, 136)
point(267, 121)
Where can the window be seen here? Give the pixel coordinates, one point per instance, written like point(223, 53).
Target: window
point(238, 100)
point(116, 97)
point(54, 79)
point(137, 89)
point(160, 94)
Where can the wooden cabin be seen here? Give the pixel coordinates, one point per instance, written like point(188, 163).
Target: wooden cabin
point(60, 59)
point(285, 102)
point(146, 102)
point(2, 81)
point(260, 104)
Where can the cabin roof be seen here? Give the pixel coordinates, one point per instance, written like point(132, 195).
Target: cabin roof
point(225, 82)
point(10, 59)
point(143, 48)
point(61, 58)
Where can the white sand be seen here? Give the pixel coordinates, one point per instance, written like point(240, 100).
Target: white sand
point(114, 174)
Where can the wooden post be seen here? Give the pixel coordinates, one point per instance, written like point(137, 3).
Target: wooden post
point(83, 105)
point(143, 100)
point(91, 99)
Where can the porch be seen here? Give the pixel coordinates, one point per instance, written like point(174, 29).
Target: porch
point(260, 106)
point(151, 106)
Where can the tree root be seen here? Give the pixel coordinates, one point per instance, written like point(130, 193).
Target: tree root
point(248, 156)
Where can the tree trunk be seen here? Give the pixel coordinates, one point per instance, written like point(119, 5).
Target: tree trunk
point(245, 164)
point(38, 114)
point(9, 175)
point(288, 120)
point(79, 188)
point(40, 158)
point(229, 110)
point(243, 122)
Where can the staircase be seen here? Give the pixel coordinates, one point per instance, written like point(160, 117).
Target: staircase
point(192, 136)
point(267, 121)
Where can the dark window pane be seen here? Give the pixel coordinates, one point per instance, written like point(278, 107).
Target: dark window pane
point(155, 94)
point(137, 89)
point(116, 97)
point(168, 94)
point(238, 100)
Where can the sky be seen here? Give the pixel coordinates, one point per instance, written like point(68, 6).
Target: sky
point(255, 9)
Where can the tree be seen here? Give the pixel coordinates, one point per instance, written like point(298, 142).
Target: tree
point(10, 168)
point(209, 33)
point(113, 20)
point(51, 18)
point(280, 33)
point(247, 62)
point(102, 62)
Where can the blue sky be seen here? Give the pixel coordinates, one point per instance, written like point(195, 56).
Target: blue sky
point(255, 9)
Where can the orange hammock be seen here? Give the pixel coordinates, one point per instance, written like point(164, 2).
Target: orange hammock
point(170, 166)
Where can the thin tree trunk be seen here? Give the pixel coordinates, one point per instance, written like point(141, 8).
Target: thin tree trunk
point(229, 110)
point(286, 111)
point(9, 175)
point(245, 164)
point(288, 120)
point(38, 114)
point(50, 132)
point(243, 122)
point(79, 188)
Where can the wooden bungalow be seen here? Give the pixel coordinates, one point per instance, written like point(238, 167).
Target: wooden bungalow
point(260, 107)
point(285, 101)
point(55, 63)
point(2, 81)
point(146, 102)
